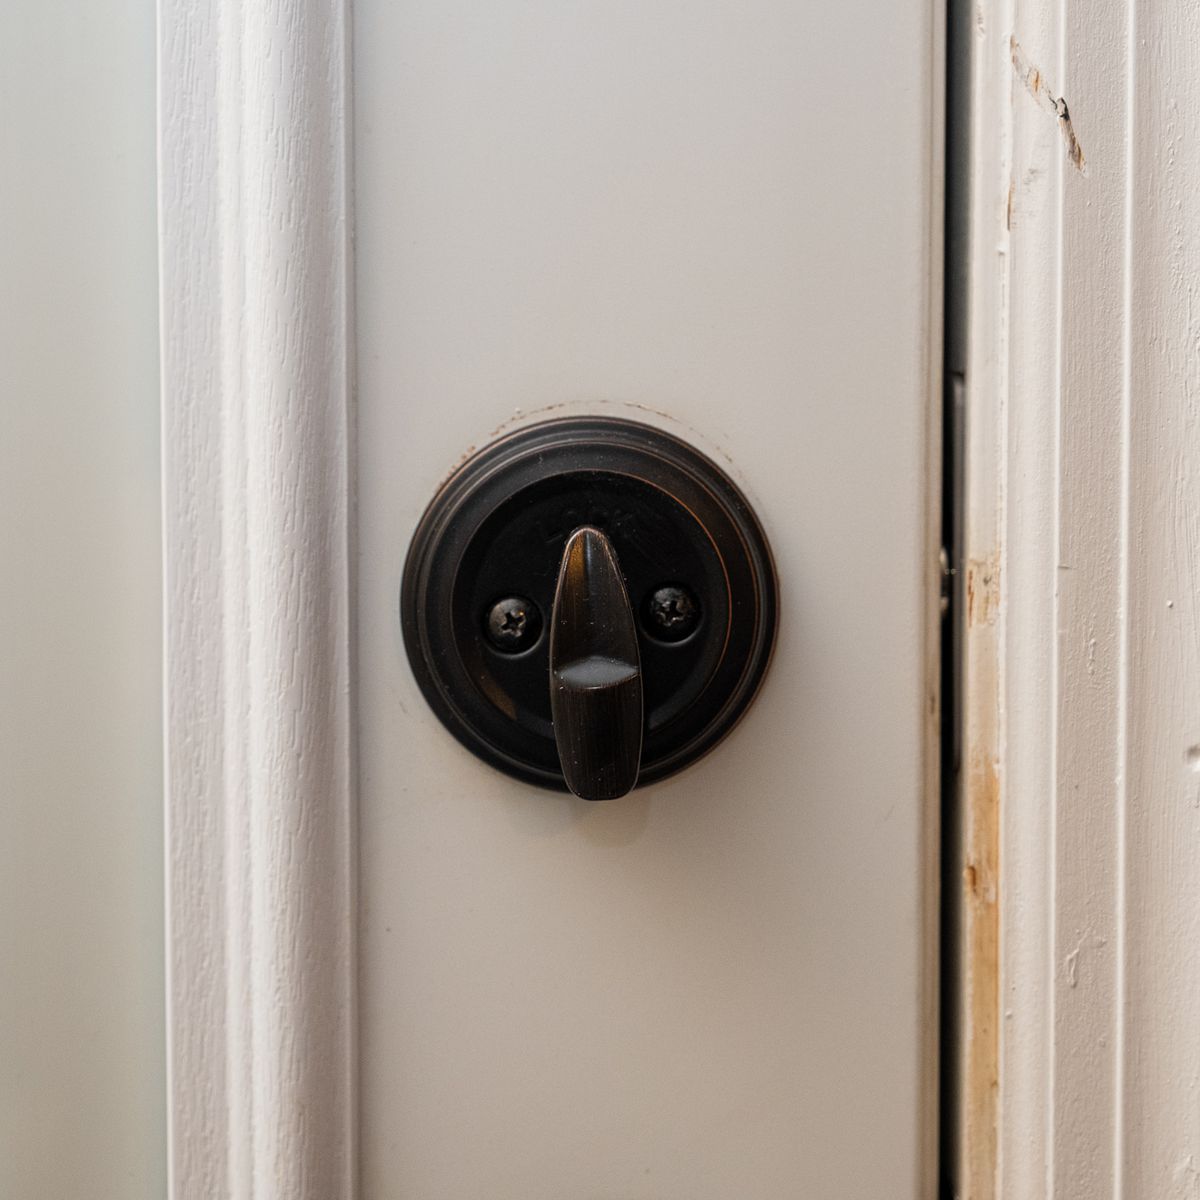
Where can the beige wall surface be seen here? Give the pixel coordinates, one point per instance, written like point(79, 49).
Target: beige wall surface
point(81, 961)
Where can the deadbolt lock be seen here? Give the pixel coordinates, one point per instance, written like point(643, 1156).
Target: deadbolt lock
point(589, 603)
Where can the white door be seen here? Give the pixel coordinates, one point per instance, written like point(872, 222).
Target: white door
point(720, 220)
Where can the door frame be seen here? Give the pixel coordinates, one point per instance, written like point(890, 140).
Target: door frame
point(254, 217)
point(1078, 1051)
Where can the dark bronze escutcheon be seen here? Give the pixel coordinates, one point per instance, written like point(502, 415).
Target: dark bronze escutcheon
point(589, 603)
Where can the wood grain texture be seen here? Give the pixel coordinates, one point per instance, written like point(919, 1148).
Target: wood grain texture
point(1085, 368)
point(255, 362)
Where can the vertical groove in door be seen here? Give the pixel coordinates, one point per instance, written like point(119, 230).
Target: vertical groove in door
point(959, 19)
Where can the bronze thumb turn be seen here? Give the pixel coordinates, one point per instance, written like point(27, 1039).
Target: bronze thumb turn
point(595, 671)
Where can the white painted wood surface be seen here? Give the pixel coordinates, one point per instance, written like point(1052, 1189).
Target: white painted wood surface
point(255, 323)
point(1085, 373)
point(722, 219)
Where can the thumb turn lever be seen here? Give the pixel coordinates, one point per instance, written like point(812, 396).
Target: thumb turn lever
point(595, 671)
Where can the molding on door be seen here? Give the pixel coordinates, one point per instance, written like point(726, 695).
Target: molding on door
point(254, 244)
point(1082, 757)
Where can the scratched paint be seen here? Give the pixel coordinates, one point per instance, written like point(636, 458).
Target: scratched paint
point(1035, 84)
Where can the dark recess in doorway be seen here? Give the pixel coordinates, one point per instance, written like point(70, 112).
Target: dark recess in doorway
point(955, 317)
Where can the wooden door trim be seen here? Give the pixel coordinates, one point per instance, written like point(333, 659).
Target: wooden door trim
point(1080, 1053)
point(256, 375)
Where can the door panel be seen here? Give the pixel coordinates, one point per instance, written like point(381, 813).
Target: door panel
point(715, 219)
